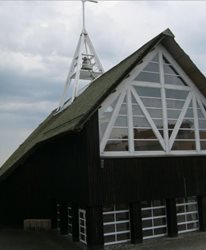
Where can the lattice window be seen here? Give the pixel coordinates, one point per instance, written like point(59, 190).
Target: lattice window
point(116, 224)
point(82, 226)
point(154, 219)
point(157, 110)
point(69, 220)
point(187, 215)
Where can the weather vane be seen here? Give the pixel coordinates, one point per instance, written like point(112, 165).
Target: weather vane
point(85, 66)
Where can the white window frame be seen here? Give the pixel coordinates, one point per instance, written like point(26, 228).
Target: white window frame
point(114, 212)
point(153, 218)
point(125, 89)
point(184, 204)
point(70, 220)
point(82, 235)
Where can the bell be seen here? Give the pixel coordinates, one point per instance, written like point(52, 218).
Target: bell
point(86, 63)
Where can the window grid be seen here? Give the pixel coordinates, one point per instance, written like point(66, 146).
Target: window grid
point(115, 234)
point(187, 215)
point(69, 220)
point(149, 215)
point(82, 226)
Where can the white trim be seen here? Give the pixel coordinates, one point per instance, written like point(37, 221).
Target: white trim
point(130, 121)
point(196, 124)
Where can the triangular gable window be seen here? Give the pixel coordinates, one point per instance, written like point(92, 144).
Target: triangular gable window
point(156, 111)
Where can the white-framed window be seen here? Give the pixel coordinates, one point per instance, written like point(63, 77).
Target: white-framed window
point(187, 215)
point(154, 219)
point(116, 223)
point(82, 226)
point(69, 220)
point(157, 110)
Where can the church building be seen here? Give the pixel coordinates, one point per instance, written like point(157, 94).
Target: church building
point(125, 161)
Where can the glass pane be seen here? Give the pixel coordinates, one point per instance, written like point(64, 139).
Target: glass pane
point(123, 109)
point(181, 227)
point(184, 145)
point(108, 217)
point(189, 113)
point(176, 94)
point(155, 113)
point(160, 231)
point(203, 145)
point(109, 228)
point(147, 233)
point(181, 218)
point(158, 123)
point(192, 225)
point(150, 102)
point(176, 80)
point(200, 114)
point(169, 69)
point(173, 114)
point(146, 213)
point(122, 227)
point(105, 118)
point(147, 145)
point(119, 133)
point(136, 110)
point(175, 104)
point(113, 145)
point(124, 236)
point(160, 221)
point(140, 122)
point(192, 217)
point(148, 77)
point(145, 91)
point(121, 121)
point(187, 124)
point(152, 67)
point(109, 238)
point(202, 124)
point(159, 211)
point(155, 59)
point(185, 134)
point(122, 216)
point(147, 223)
point(144, 134)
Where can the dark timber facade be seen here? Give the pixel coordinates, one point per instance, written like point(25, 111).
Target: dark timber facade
point(60, 172)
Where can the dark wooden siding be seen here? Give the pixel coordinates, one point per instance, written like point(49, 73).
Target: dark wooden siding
point(128, 180)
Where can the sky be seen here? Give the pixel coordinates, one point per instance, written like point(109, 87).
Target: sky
point(38, 39)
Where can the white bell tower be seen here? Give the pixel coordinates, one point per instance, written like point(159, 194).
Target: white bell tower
point(85, 66)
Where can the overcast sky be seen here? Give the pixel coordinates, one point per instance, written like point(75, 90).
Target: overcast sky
point(38, 39)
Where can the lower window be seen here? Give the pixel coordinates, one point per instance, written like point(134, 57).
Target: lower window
point(187, 215)
point(116, 224)
point(154, 219)
point(82, 226)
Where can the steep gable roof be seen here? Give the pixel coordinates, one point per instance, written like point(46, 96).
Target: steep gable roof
point(76, 115)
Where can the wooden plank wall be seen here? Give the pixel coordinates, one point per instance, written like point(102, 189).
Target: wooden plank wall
point(128, 180)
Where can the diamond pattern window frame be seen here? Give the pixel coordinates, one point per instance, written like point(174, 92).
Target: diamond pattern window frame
point(126, 89)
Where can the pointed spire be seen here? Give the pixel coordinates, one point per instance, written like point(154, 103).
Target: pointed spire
point(85, 66)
